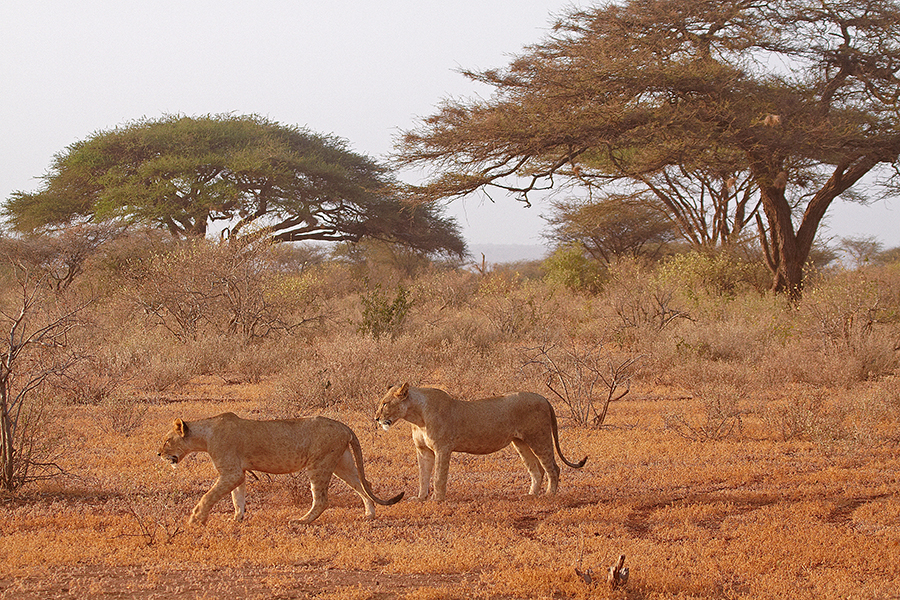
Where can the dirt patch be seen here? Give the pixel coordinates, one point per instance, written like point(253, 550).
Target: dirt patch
point(844, 507)
point(283, 582)
point(638, 522)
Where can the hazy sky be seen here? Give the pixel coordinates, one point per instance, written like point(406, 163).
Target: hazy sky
point(359, 70)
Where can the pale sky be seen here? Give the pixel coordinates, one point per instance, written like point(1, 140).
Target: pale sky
point(359, 70)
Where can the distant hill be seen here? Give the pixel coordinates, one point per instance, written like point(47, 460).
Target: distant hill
point(507, 253)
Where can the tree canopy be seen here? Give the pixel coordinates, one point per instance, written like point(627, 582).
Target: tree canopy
point(796, 100)
point(610, 228)
point(252, 176)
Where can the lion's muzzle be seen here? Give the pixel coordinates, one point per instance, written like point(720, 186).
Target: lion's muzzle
point(386, 424)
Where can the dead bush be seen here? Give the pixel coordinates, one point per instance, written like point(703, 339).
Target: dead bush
point(349, 370)
point(643, 303)
point(256, 361)
point(853, 315)
point(515, 306)
point(223, 288)
point(721, 415)
point(584, 378)
point(122, 414)
point(445, 289)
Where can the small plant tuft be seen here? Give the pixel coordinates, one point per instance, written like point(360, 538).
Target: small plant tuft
point(382, 315)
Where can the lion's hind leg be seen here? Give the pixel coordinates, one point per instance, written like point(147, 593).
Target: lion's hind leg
point(319, 480)
point(346, 471)
point(532, 464)
point(548, 462)
point(239, 499)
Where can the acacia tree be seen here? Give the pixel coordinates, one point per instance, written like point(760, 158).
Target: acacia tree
point(797, 98)
point(255, 177)
point(610, 228)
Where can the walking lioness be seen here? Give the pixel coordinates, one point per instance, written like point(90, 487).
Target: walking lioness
point(317, 445)
point(442, 425)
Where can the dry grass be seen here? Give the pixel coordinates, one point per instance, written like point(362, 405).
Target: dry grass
point(756, 455)
point(739, 518)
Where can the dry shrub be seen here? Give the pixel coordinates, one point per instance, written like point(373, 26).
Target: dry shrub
point(644, 304)
point(445, 289)
point(886, 405)
point(721, 416)
point(585, 378)
point(468, 330)
point(123, 414)
point(156, 519)
point(201, 288)
point(156, 362)
point(91, 382)
point(348, 369)
point(803, 413)
point(257, 361)
point(854, 317)
point(515, 306)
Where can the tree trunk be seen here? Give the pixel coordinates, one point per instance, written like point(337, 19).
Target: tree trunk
point(790, 250)
point(787, 258)
point(7, 448)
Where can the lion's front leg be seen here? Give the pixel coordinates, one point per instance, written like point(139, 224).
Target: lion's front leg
point(442, 469)
point(425, 457)
point(224, 484)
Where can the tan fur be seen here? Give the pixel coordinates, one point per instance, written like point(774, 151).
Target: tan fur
point(317, 445)
point(443, 425)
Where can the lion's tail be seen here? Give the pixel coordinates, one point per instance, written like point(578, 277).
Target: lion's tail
point(357, 455)
point(555, 428)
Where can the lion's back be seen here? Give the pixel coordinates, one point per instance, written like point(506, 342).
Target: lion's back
point(487, 424)
point(278, 446)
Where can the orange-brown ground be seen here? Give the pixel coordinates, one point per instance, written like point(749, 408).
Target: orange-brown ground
point(739, 517)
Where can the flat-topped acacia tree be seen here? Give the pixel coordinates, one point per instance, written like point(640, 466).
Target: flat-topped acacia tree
point(793, 100)
point(254, 177)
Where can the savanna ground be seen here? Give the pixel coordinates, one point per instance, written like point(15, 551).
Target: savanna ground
point(755, 455)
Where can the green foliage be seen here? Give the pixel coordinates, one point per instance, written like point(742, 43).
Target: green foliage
point(258, 177)
point(722, 112)
point(570, 268)
point(382, 315)
point(715, 274)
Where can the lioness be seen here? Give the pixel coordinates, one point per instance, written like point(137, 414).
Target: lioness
point(317, 445)
point(442, 425)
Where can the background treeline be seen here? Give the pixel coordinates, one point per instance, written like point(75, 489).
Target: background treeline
point(129, 320)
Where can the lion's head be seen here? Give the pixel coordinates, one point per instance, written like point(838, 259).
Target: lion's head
point(393, 406)
point(175, 446)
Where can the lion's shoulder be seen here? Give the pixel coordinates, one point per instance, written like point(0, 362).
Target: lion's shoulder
point(433, 395)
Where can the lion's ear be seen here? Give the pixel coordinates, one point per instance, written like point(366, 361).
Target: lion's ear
point(404, 390)
point(181, 427)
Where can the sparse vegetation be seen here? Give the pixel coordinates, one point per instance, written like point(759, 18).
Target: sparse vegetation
point(754, 455)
